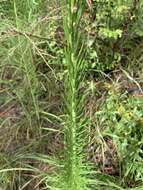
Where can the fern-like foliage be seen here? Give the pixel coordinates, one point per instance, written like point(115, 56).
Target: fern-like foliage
point(75, 167)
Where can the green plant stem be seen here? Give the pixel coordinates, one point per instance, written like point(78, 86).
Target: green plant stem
point(75, 67)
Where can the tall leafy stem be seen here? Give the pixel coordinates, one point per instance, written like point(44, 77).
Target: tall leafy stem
point(75, 124)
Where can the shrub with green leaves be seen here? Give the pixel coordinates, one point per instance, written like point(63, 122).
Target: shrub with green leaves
point(122, 122)
point(116, 25)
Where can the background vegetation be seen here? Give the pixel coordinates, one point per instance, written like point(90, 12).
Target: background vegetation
point(71, 96)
